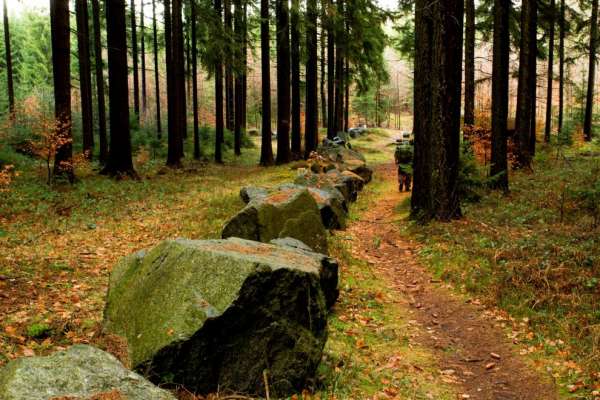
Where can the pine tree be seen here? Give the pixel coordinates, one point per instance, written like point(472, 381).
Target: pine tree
point(85, 79)
point(266, 149)
point(330, 71)
point(119, 161)
point(561, 65)
point(156, 77)
point(195, 80)
point(99, 69)
point(143, 54)
point(134, 55)
point(548, 124)
point(238, 81)
point(61, 65)
point(218, 93)
point(282, 16)
point(469, 117)
point(295, 53)
point(311, 127)
point(589, 100)
point(9, 69)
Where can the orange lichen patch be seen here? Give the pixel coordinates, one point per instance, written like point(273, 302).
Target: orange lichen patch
point(317, 196)
point(112, 395)
point(280, 196)
point(266, 250)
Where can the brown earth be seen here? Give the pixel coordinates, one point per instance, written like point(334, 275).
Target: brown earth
point(473, 349)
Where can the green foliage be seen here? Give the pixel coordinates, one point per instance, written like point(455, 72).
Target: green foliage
point(587, 195)
point(38, 330)
point(471, 180)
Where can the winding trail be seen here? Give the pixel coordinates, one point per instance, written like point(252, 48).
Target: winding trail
point(473, 350)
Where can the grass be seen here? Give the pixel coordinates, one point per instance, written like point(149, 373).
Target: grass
point(536, 254)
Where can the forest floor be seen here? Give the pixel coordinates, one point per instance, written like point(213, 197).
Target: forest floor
point(406, 325)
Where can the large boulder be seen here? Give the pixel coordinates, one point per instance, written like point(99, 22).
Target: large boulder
point(214, 314)
point(347, 160)
point(332, 204)
point(81, 372)
point(347, 183)
point(284, 213)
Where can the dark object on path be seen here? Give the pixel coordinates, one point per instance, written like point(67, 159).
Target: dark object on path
point(403, 156)
point(214, 314)
point(285, 213)
point(80, 372)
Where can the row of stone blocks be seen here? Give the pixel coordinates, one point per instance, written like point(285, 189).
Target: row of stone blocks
point(239, 314)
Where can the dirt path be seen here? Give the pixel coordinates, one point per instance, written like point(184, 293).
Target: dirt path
point(473, 351)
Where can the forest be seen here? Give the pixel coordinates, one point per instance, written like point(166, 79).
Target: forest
point(299, 199)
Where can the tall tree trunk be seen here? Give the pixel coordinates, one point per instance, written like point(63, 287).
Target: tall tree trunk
point(324, 120)
point(156, 77)
point(347, 96)
point(103, 156)
point(9, 68)
point(119, 156)
point(229, 100)
point(339, 72)
point(238, 81)
point(469, 117)
point(61, 64)
point(195, 81)
point(500, 78)
point(218, 96)
point(245, 67)
point(85, 78)
point(143, 55)
point(134, 55)
point(438, 71)
point(330, 71)
point(296, 125)
point(283, 81)
point(266, 148)
point(524, 92)
point(311, 125)
point(173, 136)
point(533, 81)
point(548, 124)
point(589, 100)
point(178, 81)
point(561, 65)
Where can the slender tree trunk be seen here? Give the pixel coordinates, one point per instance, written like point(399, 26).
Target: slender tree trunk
point(143, 55)
point(283, 81)
point(330, 72)
point(548, 124)
point(103, 156)
point(339, 73)
point(347, 96)
point(238, 82)
point(524, 100)
point(245, 67)
point(134, 55)
point(296, 124)
point(229, 100)
point(85, 78)
point(324, 120)
point(500, 79)
point(533, 81)
point(311, 126)
point(469, 117)
point(266, 149)
point(173, 136)
point(156, 77)
point(438, 71)
point(9, 68)
point(178, 80)
point(589, 100)
point(119, 161)
point(218, 97)
point(61, 64)
point(561, 65)
point(195, 81)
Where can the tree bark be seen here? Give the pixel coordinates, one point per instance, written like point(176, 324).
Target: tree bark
point(99, 66)
point(195, 81)
point(218, 96)
point(437, 94)
point(156, 77)
point(533, 81)
point(296, 124)
point(61, 64)
point(524, 92)
point(311, 125)
point(469, 117)
point(266, 149)
point(245, 67)
point(238, 81)
point(143, 55)
point(330, 72)
point(85, 78)
point(500, 79)
point(119, 161)
point(178, 80)
point(9, 69)
point(548, 124)
point(229, 95)
point(561, 65)
point(323, 42)
point(283, 82)
point(339, 71)
point(347, 96)
point(134, 55)
point(589, 100)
